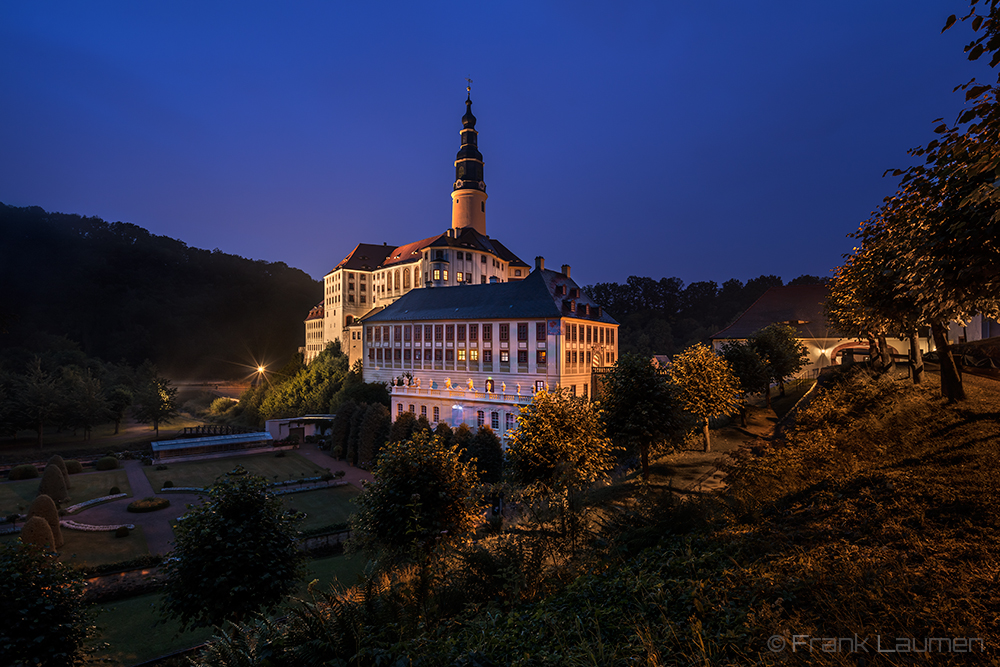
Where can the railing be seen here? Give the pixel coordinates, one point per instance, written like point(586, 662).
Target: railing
point(501, 397)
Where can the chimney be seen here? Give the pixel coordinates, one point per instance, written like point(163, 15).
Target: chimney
point(565, 270)
point(539, 264)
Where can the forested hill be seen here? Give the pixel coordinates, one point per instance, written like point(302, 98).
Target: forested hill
point(123, 293)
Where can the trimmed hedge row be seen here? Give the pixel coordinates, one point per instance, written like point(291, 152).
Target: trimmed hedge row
point(23, 471)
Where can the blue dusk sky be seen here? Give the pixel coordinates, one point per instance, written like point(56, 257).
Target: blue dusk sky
point(705, 140)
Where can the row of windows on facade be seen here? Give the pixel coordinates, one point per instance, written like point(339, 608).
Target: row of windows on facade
point(480, 416)
point(417, 356)
point(583, 333)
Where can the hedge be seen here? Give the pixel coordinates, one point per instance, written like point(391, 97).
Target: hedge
point(106, 463)
point(23, 471)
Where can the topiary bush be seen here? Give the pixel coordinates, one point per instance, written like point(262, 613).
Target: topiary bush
point(121, 531)
point(150, 504)
point(168, 484)
point(58, 462)
point(107, 463)
point(53, 484)
point(43, 506)
point(37, 531)
point(24, 471)
point(74, 467)
point(114, 491)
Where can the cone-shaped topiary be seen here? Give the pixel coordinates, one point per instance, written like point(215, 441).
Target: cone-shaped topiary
point(45, 507)
point(74, 467)
point(57, 460)
point(53, 484)
point(36, 531)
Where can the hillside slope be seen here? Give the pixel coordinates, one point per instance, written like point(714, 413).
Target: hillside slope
point(122, 293)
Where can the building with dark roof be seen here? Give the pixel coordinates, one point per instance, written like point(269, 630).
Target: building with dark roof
point(476, 353)
point(801, 307)
point(373, 276)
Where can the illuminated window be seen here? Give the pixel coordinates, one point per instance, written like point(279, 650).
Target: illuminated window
point(461, 354)
point(539, 385)
point(504, 357)
point(540, 358)
point(473, 355)
point(569, 357)
point(446, 274)
point(437, 274)
point(459, 276)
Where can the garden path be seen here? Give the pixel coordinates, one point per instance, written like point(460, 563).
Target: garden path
point(352, 475)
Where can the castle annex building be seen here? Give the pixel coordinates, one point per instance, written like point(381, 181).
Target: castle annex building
point(372, 277)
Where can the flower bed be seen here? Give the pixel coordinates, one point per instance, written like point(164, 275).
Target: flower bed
point(148, 505)
point(96, 501)
point(89, 528)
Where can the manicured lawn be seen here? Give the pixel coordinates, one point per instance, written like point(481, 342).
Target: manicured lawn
point(203, 473)
point(16, 496)
point(323, 506)
point(127, 634)
point(84, 548)
point(130, 631)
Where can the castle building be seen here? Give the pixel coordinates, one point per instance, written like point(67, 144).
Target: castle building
point(372, 277)
point(476, 353)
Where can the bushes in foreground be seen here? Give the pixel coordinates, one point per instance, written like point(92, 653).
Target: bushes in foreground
point(24, 471)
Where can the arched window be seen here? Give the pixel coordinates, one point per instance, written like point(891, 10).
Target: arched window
point(406, 279)
point(395, 280)
point(416, 276)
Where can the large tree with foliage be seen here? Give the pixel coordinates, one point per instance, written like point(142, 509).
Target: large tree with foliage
point(784, 355)
point(235, 555)
point(421, 493)
point(155, 400)
point(559, 443)
point(41, 399)
point(639, 407)
point(43, 620)
point(750, 370)
point(706, 385)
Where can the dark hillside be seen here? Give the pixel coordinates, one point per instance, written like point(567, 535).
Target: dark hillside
point(123, 293)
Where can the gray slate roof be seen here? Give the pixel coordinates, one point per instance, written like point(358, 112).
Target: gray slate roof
point(799, 306)
point(533, 297)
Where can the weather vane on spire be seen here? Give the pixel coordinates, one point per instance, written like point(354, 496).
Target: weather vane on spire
point(468, 88)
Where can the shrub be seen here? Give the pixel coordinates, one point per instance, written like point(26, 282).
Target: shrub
point(107, 463)
point(121, 531)
point(57, 461)
point(25, 471)
point(37, 531)
point(43, 506)
point(53, 484)
point(114, 491)
point(168, 484)
point(150, 504)
point(74, 467)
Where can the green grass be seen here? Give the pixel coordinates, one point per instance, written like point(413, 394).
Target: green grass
point(131, 631)
point(88, 549)
point(323, 506)
point(202, 473)
point(16, 496)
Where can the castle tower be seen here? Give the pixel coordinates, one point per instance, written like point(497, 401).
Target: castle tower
point(469, 194)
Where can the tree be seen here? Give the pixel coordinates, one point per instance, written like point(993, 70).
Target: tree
point(236, 554)
point(486, 449)
point(421, 493)
point(707, 385)
point(119, 400)
point(639, 407)
point(559, 443)
point(374, 434)
point(750, 370)
point(341, 428)
point(156, 401)
point(40, 399)
point(779, 347)
point(43, 620)
point(87, 403)
point(402, 428)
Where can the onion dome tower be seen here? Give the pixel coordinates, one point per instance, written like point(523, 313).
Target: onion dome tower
point(469, 193)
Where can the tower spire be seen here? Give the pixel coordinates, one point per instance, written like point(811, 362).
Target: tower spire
point(469, 192)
